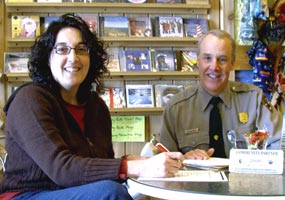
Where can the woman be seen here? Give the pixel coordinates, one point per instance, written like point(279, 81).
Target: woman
point(58, 139)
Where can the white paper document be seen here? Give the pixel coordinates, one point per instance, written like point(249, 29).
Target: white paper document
point(193, 176)
point(211, 163)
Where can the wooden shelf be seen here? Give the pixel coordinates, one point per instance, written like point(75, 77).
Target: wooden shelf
point(136, 111)
point(17, 77)
point(120, 41)
point(198, 7)
point(174, 75)
point(195, 7)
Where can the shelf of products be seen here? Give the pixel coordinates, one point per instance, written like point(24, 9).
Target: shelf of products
point(195, 7)
point(120, 41)
point(177, 75)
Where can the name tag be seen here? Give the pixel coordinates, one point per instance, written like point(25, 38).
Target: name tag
point(256, 161)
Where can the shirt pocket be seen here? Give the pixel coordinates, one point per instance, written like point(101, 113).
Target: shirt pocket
point(193, 139)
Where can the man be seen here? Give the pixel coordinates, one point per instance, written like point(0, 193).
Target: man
point(243, 107)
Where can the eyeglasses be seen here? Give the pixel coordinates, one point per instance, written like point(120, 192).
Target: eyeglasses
point(63, 49)
point(222, 60)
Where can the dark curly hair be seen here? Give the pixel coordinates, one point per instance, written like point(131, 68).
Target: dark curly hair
point(38, 64)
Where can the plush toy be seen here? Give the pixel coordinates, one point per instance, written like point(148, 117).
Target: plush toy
point(261, 10)
point(260, 60)
point(280, 15)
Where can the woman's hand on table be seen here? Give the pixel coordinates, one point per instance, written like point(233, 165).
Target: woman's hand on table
point(162, 165)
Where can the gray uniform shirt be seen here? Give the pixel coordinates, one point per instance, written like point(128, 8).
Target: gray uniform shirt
point(185, 123)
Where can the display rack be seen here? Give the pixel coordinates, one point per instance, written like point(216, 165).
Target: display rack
point(191, 8)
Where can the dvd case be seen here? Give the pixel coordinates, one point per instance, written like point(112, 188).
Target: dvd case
point(16, 62)
point(195, 27)
point(140, 26)
point(188, 61)
point(114, 62)
point(114, 97)
point(169, 26)
point(163, 93)
point(92, 21)
point(163, 60)
point(114, 26)
point(46, 22)
point(25, 26)
point(137, 60)
point(139, 96)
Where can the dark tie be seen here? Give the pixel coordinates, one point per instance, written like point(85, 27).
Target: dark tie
point(216, 129)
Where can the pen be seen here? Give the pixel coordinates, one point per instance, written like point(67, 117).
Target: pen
point(162, 148)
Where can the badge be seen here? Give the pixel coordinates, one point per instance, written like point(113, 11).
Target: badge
point(243, 117)
point(216, 137)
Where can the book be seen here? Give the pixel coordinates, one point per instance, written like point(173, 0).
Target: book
point(25, 26)
point(114, 26)
point(91, 20)
point(139, 96)
point(163, 60)
point(16, 62)
point(114, 62)
point(140, 26)
point(169, 26)
point(114, 97)
point(195, 27)
point(188, 60)
point(137, 60)
point(163, 93)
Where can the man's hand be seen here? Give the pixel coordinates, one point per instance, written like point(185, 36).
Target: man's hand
point(199, 154)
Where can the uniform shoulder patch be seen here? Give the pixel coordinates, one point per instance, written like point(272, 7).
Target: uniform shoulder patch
point(242, 87)
point(267, 103)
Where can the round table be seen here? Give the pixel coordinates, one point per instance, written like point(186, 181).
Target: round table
point(239, 186)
